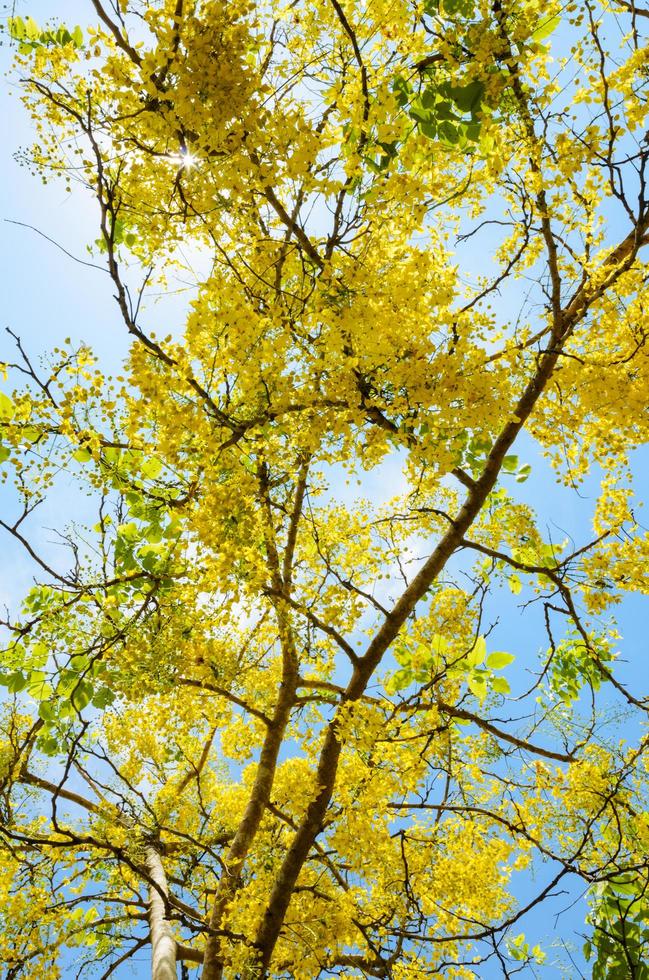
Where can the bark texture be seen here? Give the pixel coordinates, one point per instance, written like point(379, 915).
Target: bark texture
point(163, 943)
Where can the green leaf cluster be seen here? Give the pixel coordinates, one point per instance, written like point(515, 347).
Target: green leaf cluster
point(384, 155)
point(574, 665)
point(520, 950)
point(120, 236)
point(472, 452)
point(465, 8)
point(30, 36)
point(619, 944)
point(447, 113)
point(147, 545)
point(481, 678)
point(512, 466)
point(476, 668)
point(83, 682)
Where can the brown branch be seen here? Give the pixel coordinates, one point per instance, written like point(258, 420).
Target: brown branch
point(318, 623)
point(266, 767)
point(121, 41)
point(564, 322)
point(188, 953)
point(292, 223)
point(289, 551)
point(631, 7)
point(224, 693)
point(487, 726)
point(124, 957)
point(340, 13)
point(31, 779)
point(195, 771)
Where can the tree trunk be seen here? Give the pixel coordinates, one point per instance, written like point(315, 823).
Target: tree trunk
point(163, 944)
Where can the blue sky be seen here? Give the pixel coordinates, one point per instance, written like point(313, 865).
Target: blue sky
point(47, 297)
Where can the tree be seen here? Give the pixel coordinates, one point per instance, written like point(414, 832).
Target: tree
point(257, 723)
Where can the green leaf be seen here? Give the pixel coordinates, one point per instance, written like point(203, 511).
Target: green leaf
point(82, 455)
point(111, 454)
point(467, 97)
point(477, 685)
point(399, 680)
point(82, 695)
point(546, 26)
point(30, 36)
point(478, 652)
point(129, 531)
point(548, 554)
point(514, 584)
point(402, 90)
point(5, 453)
point(39, 653)
point(36, 681)
point(16, 27)
point(628, 887)
point(173, 529)
point(420, 113)
point(153, 533)
point(103, 698)
point(448, 133)
point(30, 433)
point(480, 445)
point(500, 685)
point(49, 745)
point(464, 7)
point(151, 468)
point(15, 682)
point(46, 711)
point(429, 130)
point(32, 30)
point(153, 550)
point(7, 407)
point(41, 691)
point(538, 954)
point(523, 473)
point(429, 100)
point(118, 231)
point(438, 644)
point(499, 659)
point(510, 464)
